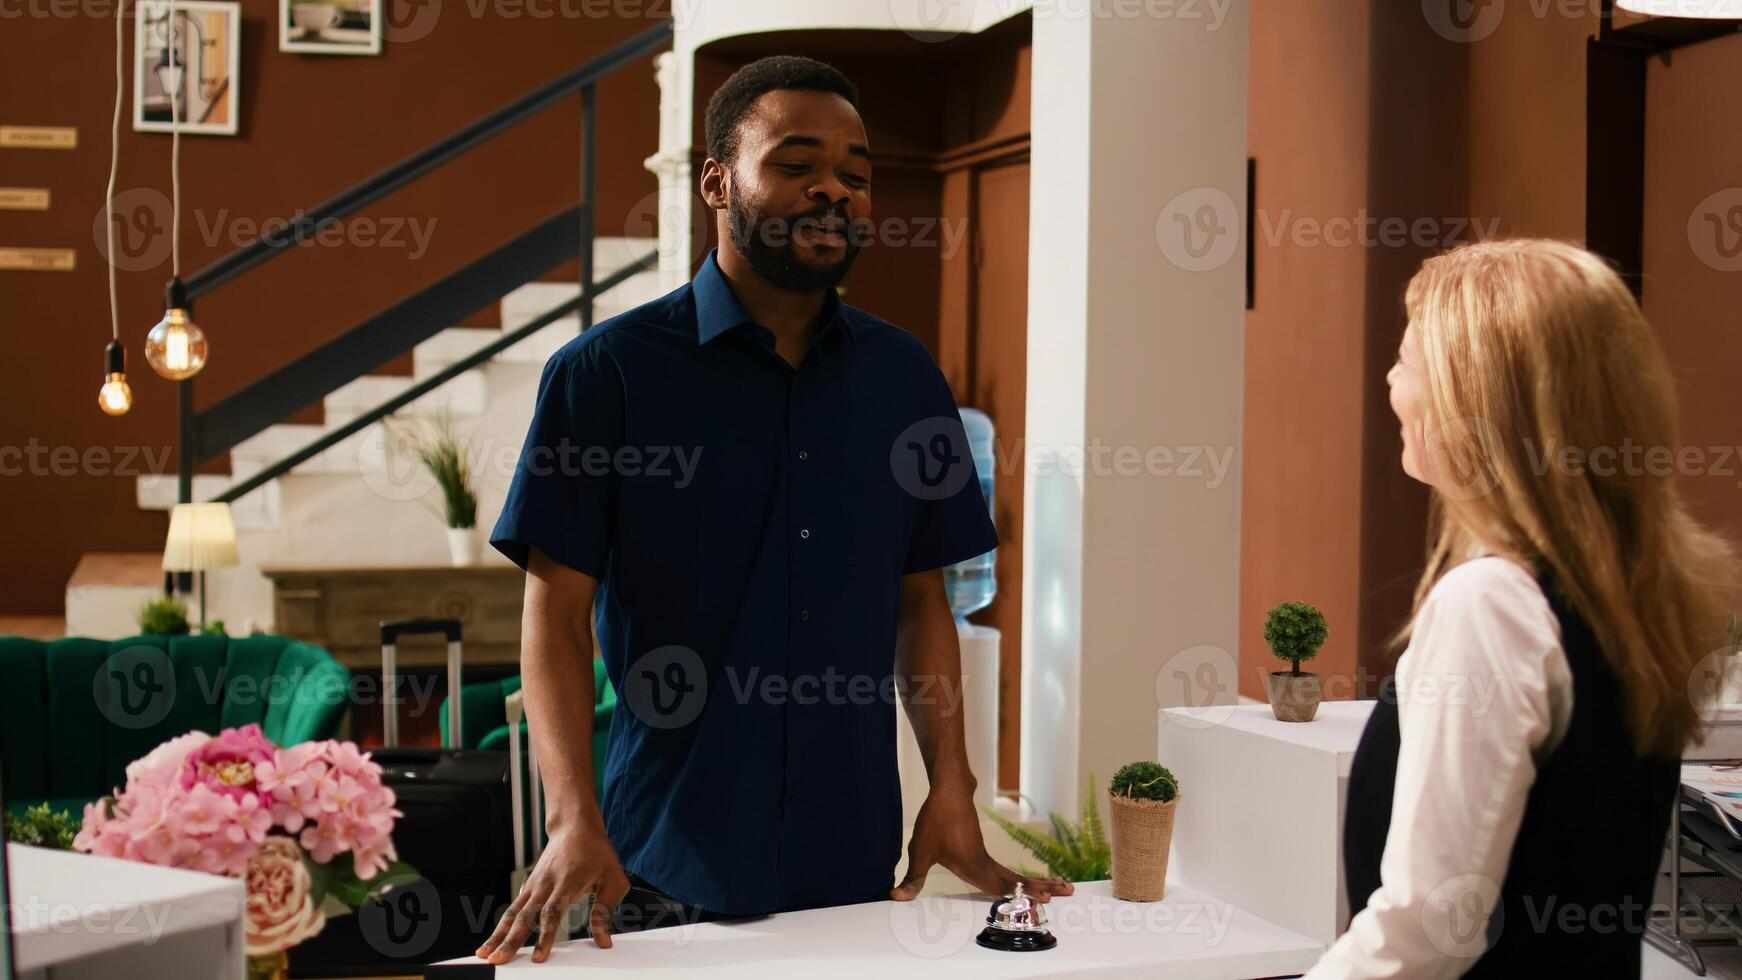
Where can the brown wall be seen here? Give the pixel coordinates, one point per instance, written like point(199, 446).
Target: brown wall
point(1398, 119)
point(311, 125)
point(1693, 259)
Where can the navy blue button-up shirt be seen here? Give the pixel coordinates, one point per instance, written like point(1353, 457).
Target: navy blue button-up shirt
point(749, 524)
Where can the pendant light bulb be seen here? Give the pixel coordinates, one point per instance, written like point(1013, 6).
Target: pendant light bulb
point(176, 347)
point(116, 397)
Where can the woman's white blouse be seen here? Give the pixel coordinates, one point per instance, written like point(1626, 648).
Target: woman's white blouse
point(1484, 694)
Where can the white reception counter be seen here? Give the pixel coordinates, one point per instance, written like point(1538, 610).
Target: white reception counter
point(1185, 936)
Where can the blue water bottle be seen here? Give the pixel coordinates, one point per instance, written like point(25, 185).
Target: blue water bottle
point(972, 584)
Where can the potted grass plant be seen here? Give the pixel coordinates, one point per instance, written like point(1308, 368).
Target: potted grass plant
point(1295, 631)
point(443, 453)
point(1142, 798)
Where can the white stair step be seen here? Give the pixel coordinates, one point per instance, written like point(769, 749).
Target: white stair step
point(259, 508)
point(449, 346)
point(459, 342)
point(611, 253)
point(275, 442)
point(518, 309)
point(106, 589)
point(462, 397)
point(535, 298)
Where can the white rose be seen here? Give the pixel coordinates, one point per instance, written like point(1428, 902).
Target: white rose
point(281, 912)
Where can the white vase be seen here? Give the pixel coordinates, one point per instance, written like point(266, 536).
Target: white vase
point(463, 545)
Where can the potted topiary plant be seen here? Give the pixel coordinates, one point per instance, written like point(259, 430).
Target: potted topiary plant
point(1142, 799)
point(1295, 631)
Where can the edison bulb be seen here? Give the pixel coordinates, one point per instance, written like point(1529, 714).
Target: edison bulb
point(116, 397)
point(176, 347)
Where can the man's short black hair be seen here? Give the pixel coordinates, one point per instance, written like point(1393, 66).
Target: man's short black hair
point(729, 106)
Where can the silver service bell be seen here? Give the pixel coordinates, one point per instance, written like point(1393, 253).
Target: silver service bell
point(1017, 924)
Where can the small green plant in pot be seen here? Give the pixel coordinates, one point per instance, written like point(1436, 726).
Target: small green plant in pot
point(166, 616)
point(1142, 799)
point(1295, 631)
point(443, 453)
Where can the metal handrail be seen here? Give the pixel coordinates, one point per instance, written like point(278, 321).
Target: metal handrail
point(361, 349)
point(390, 333)
point(434, 381)
point(434, 155)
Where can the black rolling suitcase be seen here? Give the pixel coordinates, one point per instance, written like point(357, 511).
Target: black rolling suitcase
point(456, 831)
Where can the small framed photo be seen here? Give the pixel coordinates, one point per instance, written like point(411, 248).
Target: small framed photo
point(197, 64)
point(330, 26)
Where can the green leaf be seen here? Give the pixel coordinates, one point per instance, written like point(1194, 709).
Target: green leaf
point(395, 874)
point(1092, 829)
point(320, 877)
point(1045, 848)
point(1067, 837)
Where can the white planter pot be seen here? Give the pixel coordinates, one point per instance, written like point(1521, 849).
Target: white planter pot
point(463, 545)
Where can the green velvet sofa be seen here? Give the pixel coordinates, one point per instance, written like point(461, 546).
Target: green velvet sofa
point(75, 711)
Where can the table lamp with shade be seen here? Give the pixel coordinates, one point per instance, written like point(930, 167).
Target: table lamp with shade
point(201, 536)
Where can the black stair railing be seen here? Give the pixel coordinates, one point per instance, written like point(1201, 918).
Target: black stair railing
point(204, 434)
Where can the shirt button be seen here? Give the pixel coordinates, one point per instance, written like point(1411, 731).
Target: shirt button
point(804, 615)
point(804, 532)
point(803, 455)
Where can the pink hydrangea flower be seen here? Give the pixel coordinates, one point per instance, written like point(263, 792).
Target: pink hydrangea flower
point(217, 803)
point(226, 764)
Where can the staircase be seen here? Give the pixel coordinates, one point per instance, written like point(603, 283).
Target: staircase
point(345, 493)
point(362, 502)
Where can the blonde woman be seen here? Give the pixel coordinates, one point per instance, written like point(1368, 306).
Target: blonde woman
point(1509, 802)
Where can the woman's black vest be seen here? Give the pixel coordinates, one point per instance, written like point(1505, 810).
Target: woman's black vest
point(1578, 887)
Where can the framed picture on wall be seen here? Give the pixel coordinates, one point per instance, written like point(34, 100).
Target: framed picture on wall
point(330, 26)
point(197, 65)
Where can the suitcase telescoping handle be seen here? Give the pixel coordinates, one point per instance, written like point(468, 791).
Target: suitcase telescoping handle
point(391, 631)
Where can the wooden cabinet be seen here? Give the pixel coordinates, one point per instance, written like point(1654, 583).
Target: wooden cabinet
point(341, 609)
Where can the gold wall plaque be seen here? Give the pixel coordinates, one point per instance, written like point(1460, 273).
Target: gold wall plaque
point(39, 137)
point(37, 259)
point(23, 199)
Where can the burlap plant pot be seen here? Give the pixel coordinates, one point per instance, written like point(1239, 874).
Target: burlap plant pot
point(1142, 835)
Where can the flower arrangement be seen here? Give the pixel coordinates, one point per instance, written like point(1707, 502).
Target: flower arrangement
point(299, 825)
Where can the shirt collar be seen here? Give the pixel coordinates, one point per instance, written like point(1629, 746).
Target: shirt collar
point(718, 309)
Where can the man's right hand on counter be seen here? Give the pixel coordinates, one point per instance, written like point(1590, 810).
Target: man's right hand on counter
point(575, 862)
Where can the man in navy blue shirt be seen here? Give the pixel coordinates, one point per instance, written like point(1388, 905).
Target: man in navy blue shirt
point(752, 490)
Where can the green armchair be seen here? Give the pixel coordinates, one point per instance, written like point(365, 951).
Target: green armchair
point(75, 711)
point(484, 718)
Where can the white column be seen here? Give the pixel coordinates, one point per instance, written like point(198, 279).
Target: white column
point(676, 207)
point(1136, 321)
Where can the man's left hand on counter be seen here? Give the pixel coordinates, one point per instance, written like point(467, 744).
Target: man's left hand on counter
point(947, 833)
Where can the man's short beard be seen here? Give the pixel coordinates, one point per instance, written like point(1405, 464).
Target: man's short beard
point(753, 234)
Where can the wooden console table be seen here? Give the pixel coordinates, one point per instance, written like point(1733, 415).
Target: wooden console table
point(341, 609)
